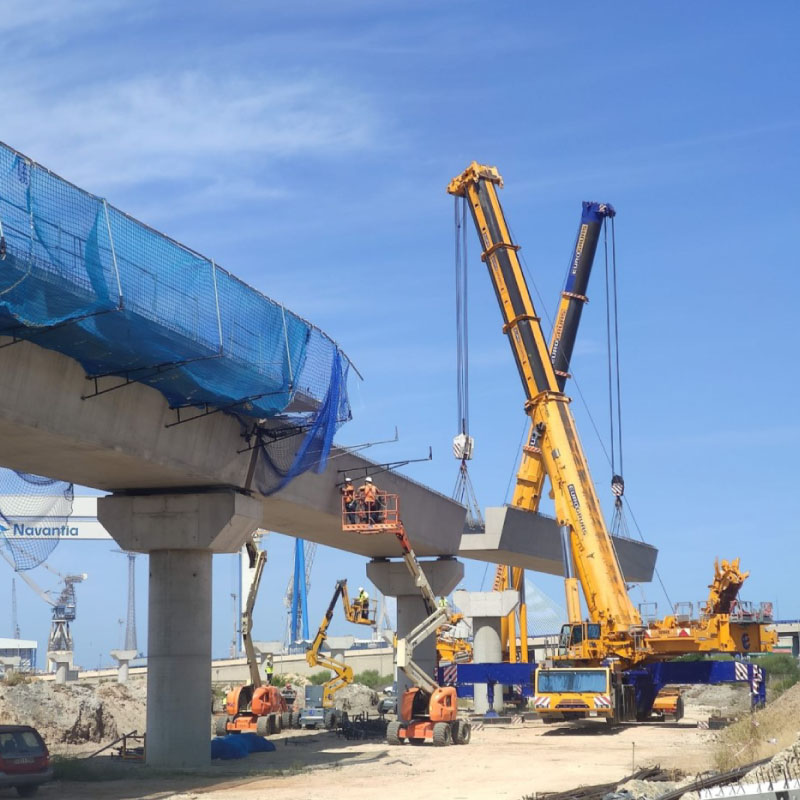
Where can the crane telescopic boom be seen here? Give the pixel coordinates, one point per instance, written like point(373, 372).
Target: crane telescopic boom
point(531, 473)
point(555, 435)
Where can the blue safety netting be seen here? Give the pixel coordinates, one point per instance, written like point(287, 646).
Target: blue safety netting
point(33, 514)
point(81, 277)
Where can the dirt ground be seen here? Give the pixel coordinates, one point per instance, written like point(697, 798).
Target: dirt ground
point(502, 762)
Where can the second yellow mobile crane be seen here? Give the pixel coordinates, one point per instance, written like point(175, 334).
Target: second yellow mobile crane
point(603, 667)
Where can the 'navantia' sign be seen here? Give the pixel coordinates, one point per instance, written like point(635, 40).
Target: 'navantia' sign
point(74, 528)
point(35, 531)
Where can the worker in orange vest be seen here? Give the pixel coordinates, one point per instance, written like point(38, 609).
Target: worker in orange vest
point(368, 495)
point(349, 500)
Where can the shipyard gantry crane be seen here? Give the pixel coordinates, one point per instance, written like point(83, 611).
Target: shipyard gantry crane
point(603, 664)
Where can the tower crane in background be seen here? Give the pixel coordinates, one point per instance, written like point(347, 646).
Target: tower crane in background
point(531, 474)
point(610, 664)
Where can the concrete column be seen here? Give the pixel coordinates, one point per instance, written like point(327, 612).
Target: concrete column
point(487, 609)
point(123, 657)
point(394, 580)
point(62, 664)
point(180, 532)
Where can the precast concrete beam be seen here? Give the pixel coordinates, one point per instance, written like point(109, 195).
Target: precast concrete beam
point(393, 579)
point(487, 609)
point(533, 541)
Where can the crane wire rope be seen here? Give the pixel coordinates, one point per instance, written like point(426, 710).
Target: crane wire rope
point(584, 403)
point(464, 491)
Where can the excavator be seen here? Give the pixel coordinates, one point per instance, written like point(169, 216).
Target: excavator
point(531, 474)
point(611, 664)
point(361, 612)
point(253, 707)
point(427, 712)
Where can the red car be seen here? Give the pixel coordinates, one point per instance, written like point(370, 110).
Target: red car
point(24, 759)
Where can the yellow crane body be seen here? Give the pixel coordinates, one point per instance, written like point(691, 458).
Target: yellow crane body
point(614, 630)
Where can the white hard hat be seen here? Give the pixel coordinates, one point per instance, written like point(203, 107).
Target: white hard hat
point(346, 479)
point(360, 588)
point(368, 479)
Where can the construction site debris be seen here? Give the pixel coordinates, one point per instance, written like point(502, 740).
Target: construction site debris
point(600, 791)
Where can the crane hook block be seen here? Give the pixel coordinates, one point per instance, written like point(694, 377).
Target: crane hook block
point(463, 447)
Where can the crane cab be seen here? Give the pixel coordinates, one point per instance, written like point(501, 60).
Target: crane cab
point(580, 640)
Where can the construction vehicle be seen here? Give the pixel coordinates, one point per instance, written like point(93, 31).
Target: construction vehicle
point(606, 665)
point(360, 612)
point(531, 474)
point(450, 648)
point(253, 707)
point(427, 712)
point(668, 705)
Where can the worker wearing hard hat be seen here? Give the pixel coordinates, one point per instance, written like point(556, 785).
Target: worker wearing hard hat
point(368, 495)
point(349, 501)
point(363, 603)
point(269, 669)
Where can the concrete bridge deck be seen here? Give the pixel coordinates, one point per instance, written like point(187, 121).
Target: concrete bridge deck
point(118, 442)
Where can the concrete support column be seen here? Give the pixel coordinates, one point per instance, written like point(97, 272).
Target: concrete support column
point(180, 532)
point(393, 579)
point(179, 658)
point(123, 657)
point(487, 610)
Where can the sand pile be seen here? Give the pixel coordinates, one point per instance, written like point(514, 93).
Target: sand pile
point(74, 713)
point(356, 699)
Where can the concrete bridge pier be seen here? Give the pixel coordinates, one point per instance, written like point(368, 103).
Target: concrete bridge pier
point(180, 532)
point(487, 610)
point(393, 580)
point(123, 658)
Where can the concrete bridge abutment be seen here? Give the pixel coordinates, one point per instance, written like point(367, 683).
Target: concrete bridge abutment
point(180, 531)
point(393, 579)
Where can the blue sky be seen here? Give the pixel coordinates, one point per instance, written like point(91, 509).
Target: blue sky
point(307, 146)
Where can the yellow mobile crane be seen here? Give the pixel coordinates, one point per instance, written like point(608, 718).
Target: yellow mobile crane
point(607, 665)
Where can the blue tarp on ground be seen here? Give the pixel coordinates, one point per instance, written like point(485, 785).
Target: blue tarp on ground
point(239, 745)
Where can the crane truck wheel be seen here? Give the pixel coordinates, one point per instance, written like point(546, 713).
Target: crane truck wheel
point(463, 732)
point(442, 735)
point(263, 726)
point(286, 719)
point(278, 722)
point(393, 733)
point(679, 709)
point(221, 726)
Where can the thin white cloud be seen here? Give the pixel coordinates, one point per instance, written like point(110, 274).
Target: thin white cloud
point(190, 125)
